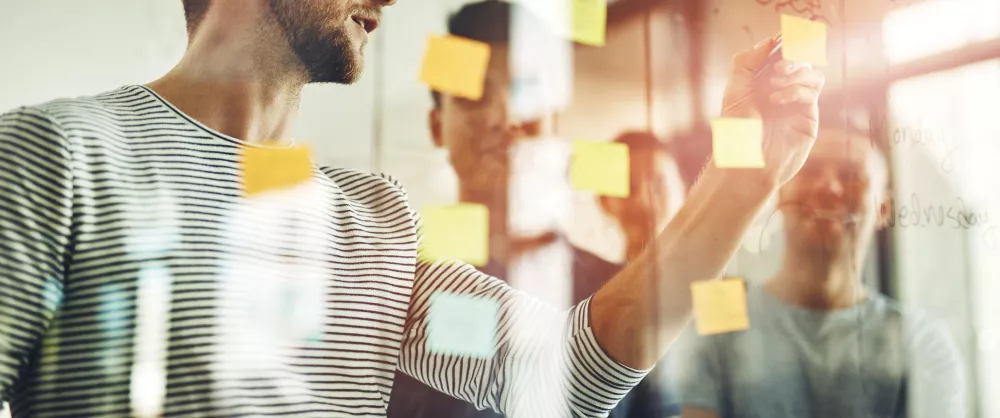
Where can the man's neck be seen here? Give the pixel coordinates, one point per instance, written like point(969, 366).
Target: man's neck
point(237, 81)
point(818, 281)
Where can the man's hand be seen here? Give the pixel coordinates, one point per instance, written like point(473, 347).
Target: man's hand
point(788, 104)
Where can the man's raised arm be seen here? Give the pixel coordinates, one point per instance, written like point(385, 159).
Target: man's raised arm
point(641, 311)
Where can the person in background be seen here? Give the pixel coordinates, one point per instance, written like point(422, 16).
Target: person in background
point(820, 343)
point(481, 137)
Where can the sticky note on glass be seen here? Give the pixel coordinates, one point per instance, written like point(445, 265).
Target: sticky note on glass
point(590, 21)
point(602, 167)
point(462, 325)
point(720, 306)
point(803, 40)
point(456, 66)
point(456, 232)
point(737, 143)
point(271, 169)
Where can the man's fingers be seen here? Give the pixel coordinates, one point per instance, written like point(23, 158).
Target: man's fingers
point(806, 125)
point(803, 77)
point(796, 94)
point(745, 63)
point(786, 67)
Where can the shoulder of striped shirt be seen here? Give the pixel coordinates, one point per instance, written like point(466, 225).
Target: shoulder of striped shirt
point(335, 172)
point(53, 114)
point(54, 111)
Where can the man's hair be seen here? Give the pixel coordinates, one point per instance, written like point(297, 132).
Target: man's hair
point(489, 21)
point(194, 12)
point(857, 127)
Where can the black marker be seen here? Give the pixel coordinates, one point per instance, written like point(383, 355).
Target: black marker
point(772, 58)
point(762, 77)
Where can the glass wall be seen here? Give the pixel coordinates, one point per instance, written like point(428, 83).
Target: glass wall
point(919, 81)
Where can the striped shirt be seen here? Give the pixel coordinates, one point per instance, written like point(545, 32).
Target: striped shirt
point(136, 278)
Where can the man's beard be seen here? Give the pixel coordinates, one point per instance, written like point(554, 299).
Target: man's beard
point(327, 54)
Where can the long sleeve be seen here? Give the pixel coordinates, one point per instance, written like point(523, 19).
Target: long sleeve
point(547, 363)
point(35, 221)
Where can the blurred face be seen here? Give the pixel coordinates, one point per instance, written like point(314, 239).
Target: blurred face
point(834, 201)
point(328, 36)
point(480, 134)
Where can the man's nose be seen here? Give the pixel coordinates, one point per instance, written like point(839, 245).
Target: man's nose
point(518, 123)
point(830, 182)
point(524, 128)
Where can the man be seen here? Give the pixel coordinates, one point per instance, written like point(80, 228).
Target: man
point(108, 199)
point(486, 141)
point(820, 344)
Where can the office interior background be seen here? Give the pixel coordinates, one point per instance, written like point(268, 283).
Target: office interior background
point(922, 75)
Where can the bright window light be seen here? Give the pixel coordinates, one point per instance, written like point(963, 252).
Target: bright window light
point(938, 25)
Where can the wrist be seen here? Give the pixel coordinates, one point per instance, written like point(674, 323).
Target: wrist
point(747, 183)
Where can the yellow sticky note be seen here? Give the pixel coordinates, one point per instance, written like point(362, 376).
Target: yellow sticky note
point(590, 21)
point(602, 167)
point(456, 232)
point(456, 66)
point(720, 306)
point(803, 40)
point(462, 325)
point(737, 143)
point(268, 169)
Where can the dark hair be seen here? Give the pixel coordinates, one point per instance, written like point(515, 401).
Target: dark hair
point(641, 141)
point(194, 12)
point(489, 21)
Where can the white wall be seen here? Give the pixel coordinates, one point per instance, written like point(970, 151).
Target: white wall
point(952, 270)
point(56, 48)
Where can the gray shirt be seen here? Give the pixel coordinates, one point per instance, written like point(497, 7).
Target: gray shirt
point(864, 361)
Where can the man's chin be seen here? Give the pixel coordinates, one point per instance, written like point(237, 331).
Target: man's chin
point(338, 61)
point(821, 233)
point(347, 74)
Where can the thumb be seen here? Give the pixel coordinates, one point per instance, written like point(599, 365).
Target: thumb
point(746, 63)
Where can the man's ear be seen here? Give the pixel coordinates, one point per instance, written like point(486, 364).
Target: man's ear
point(434, 120)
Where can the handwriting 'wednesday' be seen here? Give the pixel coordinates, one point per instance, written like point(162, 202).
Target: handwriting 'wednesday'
point(918, 215)
point(958, 216)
